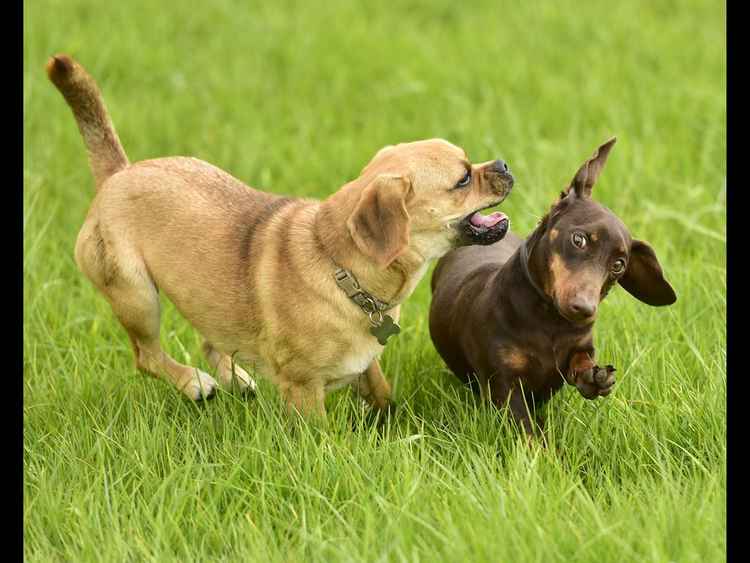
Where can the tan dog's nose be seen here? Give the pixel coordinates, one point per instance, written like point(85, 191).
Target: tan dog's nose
point(501, 166)
point(503, 174)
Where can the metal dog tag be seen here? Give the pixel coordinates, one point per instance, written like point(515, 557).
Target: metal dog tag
point(385, 329)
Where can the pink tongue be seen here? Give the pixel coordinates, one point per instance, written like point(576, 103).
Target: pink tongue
point(479, 220)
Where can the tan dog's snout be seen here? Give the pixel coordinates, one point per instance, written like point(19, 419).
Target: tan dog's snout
point(498, 176)
point(501, 167)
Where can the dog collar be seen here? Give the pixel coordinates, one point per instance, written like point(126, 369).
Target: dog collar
point(383, 326)
point(525, 263)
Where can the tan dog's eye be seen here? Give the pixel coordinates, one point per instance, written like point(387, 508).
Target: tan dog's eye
point(618, 267)
point(579, 240)
point(465, 181)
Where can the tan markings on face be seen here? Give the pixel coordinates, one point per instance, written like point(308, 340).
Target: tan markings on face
point(560, 275)
point(594, 237)
point(553, 234)
point(514, 358)
point(561, 284)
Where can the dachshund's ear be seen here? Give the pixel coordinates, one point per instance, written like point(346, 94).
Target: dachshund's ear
point(379, 223)
point(587, 175)
point(644, 279)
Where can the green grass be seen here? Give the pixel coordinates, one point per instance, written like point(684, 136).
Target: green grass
point(295, 98)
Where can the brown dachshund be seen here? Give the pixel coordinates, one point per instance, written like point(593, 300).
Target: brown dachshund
point(515, 318)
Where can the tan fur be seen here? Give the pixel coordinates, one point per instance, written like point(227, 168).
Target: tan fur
point(559, 275)
point(253, 272)
point(561, 284)
point(106, 155)
point(514, 358)
point(553, 234)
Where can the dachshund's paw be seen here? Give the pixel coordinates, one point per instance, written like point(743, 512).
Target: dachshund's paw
point(595, 381)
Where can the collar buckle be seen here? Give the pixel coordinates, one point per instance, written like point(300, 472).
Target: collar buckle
point(383, 326)
point(368, 303)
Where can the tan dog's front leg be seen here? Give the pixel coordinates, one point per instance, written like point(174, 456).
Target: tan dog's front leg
point(373, 387)
point(230, 375)
point(307, 398)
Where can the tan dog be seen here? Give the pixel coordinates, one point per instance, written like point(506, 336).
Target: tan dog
point(254, 272)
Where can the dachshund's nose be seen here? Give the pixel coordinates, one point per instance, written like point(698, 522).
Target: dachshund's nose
point(582, 308)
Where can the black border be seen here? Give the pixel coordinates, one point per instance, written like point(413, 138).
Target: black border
point(13, 223)
point(731, 202)
point(14, 376)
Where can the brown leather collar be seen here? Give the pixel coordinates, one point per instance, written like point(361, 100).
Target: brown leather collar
point(525, 254)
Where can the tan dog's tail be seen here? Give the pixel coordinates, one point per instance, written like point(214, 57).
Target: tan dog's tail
point(106, 154)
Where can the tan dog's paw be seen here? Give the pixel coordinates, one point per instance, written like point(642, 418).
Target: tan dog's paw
point(238, 380)
point(231, 376)
point(200, 386)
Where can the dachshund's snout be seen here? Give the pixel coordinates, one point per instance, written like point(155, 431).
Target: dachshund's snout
point(582, 308)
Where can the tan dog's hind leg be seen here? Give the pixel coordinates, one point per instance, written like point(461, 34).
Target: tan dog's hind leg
point(229, 373)
point(134, 299)
point(138, 310)
point(373, 387)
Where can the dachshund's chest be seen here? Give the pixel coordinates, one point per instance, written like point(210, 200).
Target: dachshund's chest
point(541, 364)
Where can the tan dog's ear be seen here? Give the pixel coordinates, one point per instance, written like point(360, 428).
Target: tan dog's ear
point(588, 173)
point(644, 279)
point(379, 223)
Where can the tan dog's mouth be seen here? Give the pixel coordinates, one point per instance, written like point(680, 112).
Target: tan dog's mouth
point(476, 228)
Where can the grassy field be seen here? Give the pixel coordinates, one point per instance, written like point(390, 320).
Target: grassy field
point(295, 98)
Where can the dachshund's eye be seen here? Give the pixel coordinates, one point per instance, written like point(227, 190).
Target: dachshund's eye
point(618, 267)
point(579, 240)
point(463, 182)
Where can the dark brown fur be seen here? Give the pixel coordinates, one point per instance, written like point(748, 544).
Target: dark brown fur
point(517, 344)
